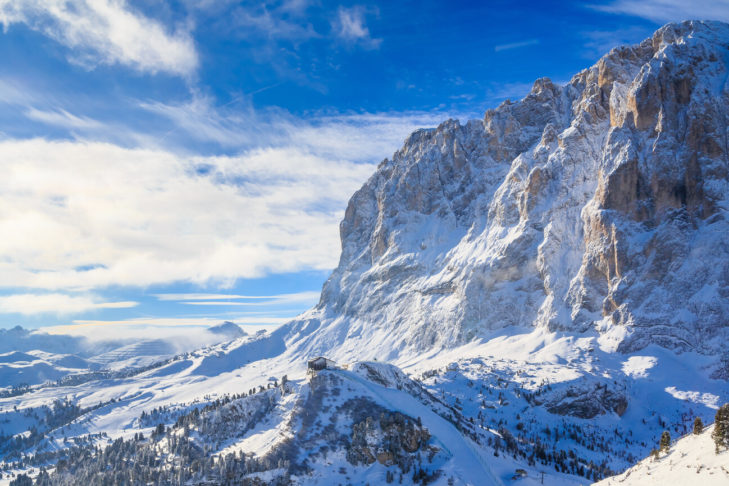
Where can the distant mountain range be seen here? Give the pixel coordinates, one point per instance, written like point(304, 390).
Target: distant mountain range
point(32, 357)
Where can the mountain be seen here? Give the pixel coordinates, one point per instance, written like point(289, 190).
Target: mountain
point(229, 330)
point(33, 357)
point(20, 339)
point(534, 297)
point(597, 208)
point(691, 460)
point(136, 354)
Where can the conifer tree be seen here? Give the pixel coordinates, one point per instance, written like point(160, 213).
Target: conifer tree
point(721, 428)
point(665, 443)
point(698, 426)
point(22, 480)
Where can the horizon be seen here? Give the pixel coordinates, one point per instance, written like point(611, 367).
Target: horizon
point(188, 164)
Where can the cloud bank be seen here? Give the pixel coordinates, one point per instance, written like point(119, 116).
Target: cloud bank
point(55, 303)
point(81, 215)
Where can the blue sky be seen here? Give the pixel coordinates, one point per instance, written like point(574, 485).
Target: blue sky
point(180, 163)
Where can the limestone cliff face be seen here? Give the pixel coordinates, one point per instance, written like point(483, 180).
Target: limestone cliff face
point(595, 207)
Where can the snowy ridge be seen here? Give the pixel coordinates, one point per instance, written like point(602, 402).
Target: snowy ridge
point(691, 460)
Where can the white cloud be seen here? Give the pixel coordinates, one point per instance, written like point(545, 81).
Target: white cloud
point(516, 45)
point(15, 93)
point(223, 303)
point(63, 119)
point(661, 11)
point(168, 322)
point(350, 26)
point(116, 305)
point(106, 32)
point(310, 298)
point(186, 332)
point(140, 217)
point(199, 119)
point(61, 304)
point(199, 296)
point(81, 215)
point(363, 137)
point(295, 297)
point(273, 25)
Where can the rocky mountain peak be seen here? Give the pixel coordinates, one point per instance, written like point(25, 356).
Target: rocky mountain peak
point(595, 207)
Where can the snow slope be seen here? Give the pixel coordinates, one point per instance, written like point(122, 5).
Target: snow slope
point(691, 460)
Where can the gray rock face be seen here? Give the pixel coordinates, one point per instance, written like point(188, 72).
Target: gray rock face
point(390, 438)
point(595, 207)
point(588, 400)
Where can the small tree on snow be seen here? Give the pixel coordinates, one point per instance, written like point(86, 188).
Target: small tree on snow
point(721, 428)
point(665, 443)
point(698, 426)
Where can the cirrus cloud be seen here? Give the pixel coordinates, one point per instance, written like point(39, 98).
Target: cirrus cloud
point(55, 303)
point(350, 25)
point(668, 10)
point(106, 32)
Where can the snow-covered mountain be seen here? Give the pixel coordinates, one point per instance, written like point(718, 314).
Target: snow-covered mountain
point(19, 339)
point(227, 329)
point(533, 297)
point(32, 357)
point(598, 207)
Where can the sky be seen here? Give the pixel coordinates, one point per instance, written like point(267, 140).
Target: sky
point(182, 163)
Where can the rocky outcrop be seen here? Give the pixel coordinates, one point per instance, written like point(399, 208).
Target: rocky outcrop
point(587, 400)
point(597, 206)
point(390, 439)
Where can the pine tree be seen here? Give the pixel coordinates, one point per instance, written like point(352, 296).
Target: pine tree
point(698, 426)
point(22, 480)
point(721, 428)
point(665, 443)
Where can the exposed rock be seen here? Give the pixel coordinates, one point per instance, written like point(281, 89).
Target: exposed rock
point(392, 438)
point(588, 401)
point(593, 206)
